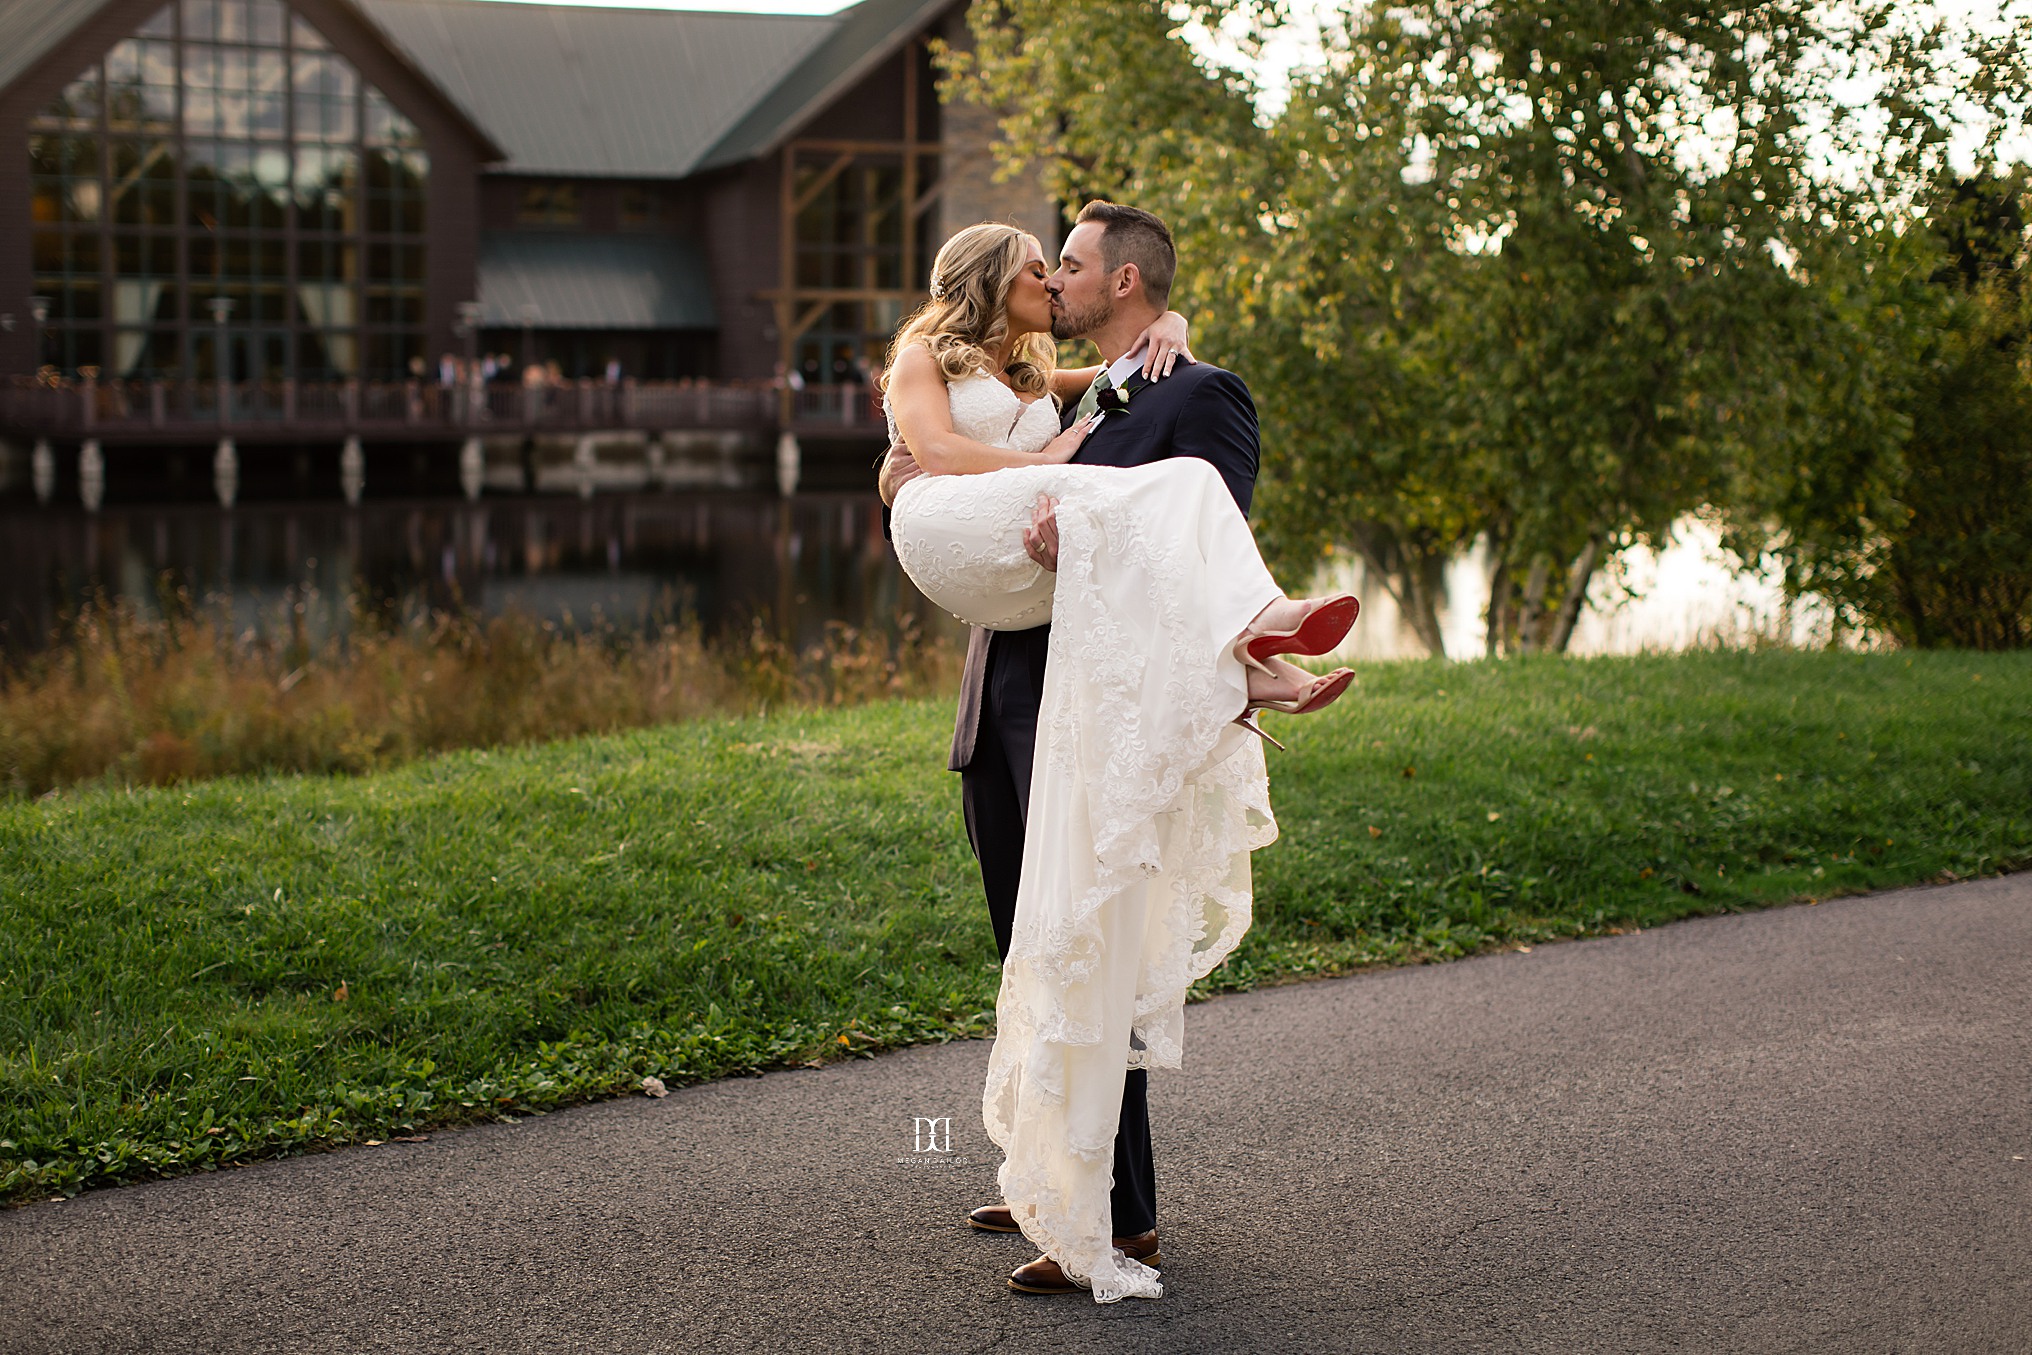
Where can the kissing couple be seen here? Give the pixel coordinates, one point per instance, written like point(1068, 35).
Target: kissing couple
point(1090, 525)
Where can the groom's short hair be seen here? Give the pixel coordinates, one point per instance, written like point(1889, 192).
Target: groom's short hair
point(1132, 235)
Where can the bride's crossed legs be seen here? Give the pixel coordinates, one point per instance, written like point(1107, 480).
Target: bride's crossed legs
point(1307, 626)
point(1286, 625)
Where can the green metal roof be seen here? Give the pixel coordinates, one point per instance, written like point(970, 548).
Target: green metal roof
point(577, 90)
point(865, 37)
point(579, 281)
point(29, 29)
point(580, 90)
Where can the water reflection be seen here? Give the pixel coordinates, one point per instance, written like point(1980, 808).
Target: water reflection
point(625, 559)
point(728, 559)
point(1685, 595)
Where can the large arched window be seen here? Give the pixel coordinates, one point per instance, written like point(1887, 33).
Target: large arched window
point(226, 154)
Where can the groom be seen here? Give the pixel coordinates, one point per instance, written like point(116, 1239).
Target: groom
point(1113, 280)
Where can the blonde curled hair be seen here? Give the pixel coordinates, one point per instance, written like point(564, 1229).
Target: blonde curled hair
point(968, 314)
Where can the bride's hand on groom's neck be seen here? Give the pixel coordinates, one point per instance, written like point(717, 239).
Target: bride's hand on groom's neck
point(1162, 344)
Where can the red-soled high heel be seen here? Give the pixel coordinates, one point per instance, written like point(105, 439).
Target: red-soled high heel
point(1326, 623)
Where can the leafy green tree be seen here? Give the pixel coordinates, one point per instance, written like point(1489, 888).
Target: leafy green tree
point(1910, 513)
point(1527, 273)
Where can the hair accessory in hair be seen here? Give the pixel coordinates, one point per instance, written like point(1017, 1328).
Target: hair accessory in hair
point(937, 287)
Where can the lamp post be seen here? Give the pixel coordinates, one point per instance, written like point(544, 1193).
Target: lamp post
point(38, 307)
point(222, 367)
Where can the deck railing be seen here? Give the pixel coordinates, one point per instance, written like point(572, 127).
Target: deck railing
point(92, 408)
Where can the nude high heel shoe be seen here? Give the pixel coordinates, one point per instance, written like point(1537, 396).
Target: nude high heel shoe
point(1325, 624)
point(1320, 693)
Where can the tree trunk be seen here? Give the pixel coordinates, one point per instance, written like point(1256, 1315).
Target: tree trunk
point(1497, 540)
point(1578, 576)
point(1499, 606)
point(1412, 573)
point(1426, 574)
point(1531, 612)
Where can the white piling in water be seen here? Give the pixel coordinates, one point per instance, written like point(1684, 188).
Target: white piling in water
point(789, 463)
point(472, 468)
point(653, 454)
point(352, 472)
point(42, 471)
point(91, 475)
point(226, 472)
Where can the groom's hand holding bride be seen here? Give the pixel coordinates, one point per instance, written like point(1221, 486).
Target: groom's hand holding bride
point(1040, 538)
point(899, 468)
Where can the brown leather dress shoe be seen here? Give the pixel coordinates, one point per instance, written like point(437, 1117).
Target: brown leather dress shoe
point(1043, 1275)
point(1142, 1247)
point(993, 1218)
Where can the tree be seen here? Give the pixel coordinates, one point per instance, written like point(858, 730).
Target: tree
point(1524, 273)
point(1909, 514)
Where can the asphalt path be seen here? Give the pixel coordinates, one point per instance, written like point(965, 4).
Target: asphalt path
point(1808, 1129)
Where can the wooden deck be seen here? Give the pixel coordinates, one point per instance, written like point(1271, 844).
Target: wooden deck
point(133, 413)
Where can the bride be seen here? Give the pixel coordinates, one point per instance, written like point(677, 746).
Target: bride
point(1146, 798)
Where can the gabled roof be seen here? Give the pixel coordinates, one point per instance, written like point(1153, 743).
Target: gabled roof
point(593, 281)
point(578, 90)
point(29, 29)
point(863, 38)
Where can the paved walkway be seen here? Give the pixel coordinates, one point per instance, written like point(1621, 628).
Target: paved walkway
point(1801, 1130)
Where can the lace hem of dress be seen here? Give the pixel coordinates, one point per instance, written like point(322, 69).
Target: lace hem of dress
point(1173, 799)
point(1140, 783)
point(1109, 1273)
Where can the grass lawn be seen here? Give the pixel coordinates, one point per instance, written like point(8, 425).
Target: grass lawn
point(244, 968)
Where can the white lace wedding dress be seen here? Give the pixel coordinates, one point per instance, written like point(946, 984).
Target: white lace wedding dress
point(1145, 798)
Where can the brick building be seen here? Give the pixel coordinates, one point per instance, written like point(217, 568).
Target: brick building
point(304, 193)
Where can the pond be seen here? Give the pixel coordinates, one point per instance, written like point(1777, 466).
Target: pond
point(1684, 595)
point(727, 558)
point(622, 559)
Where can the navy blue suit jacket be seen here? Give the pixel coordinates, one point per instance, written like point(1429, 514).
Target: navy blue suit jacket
point(1199, 410)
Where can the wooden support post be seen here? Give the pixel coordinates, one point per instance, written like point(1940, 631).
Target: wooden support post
point(907, 206)
point(786, 281)
point(821, 183)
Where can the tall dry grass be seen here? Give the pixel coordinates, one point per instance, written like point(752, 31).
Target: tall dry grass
point(131, 698)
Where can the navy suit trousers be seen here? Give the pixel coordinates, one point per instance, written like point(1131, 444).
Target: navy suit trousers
point(995, 793)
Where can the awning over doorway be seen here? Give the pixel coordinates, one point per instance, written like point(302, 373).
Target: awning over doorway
point(578, 281)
